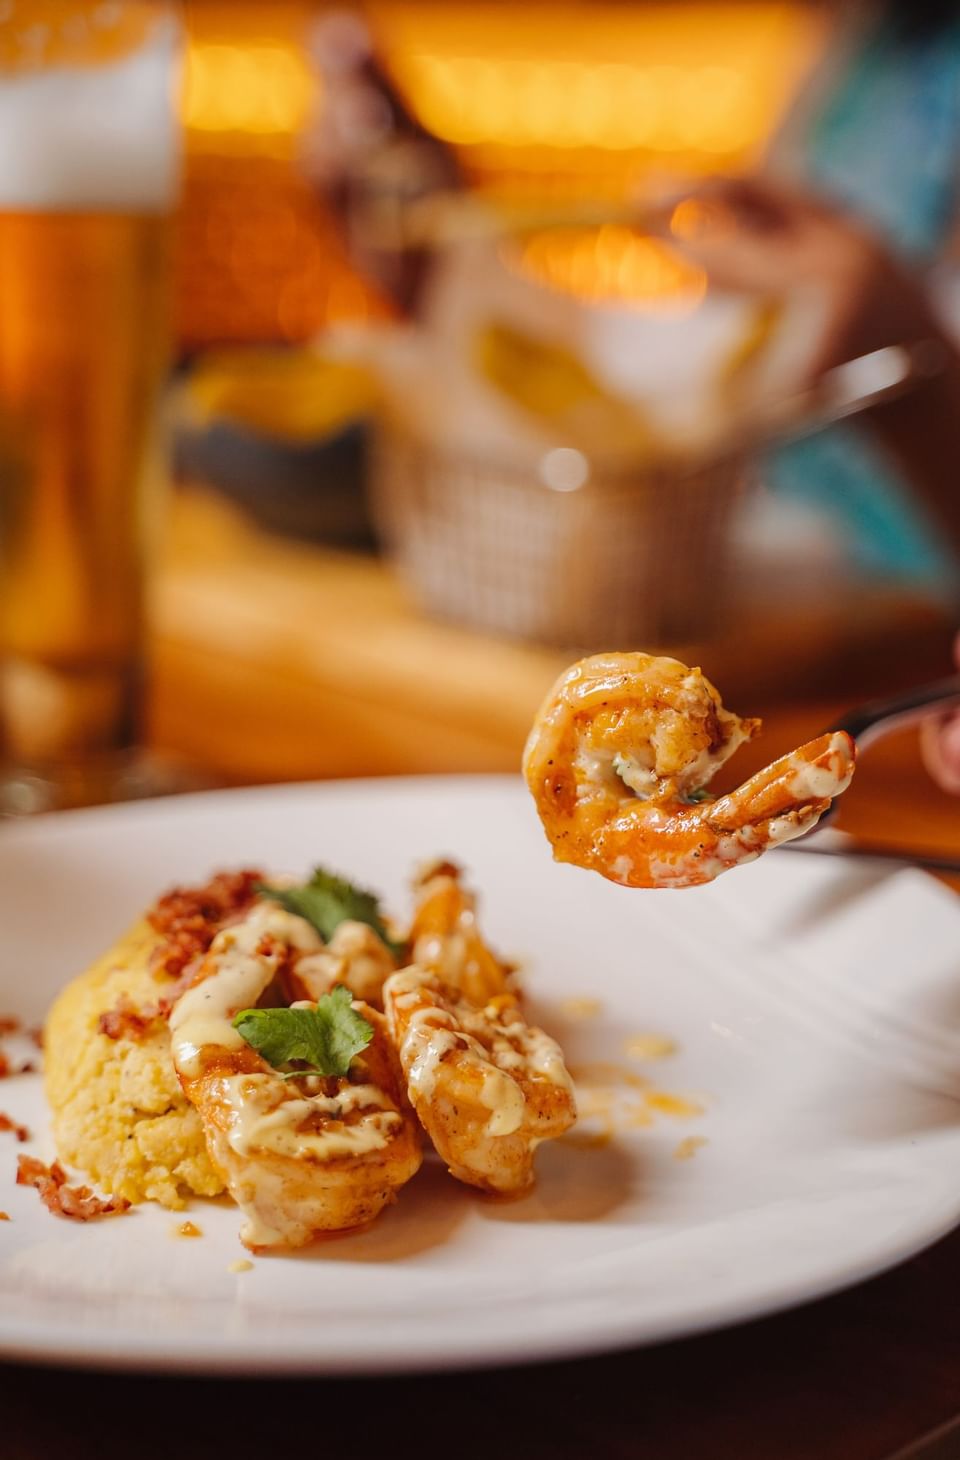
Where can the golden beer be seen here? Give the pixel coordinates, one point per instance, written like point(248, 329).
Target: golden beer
point(85, 190)
point(83, 319)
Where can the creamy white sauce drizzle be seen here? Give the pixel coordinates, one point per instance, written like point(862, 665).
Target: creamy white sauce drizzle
point(503, 1097)
point(784, 828)
point(813, 782)
point(700, 771)
point(262, 1196)
point(641, 779)
point(422, 1052)
point(596, 769)
point(545, 1057)
point(428, 1037)
point(265, 1114)
point(265, 1119)
point(503, 1048)
point(204, 1015)
point(354, 957)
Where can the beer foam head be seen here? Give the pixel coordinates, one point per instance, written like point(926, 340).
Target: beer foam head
point(93, 138)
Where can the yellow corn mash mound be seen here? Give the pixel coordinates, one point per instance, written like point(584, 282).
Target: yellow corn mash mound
point(118, 1111)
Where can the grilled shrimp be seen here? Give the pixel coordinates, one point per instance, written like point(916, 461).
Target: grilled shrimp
point(445, 938)
point(618, 759)
point(355, 957)
point(486, 1086)
point(299, 1157)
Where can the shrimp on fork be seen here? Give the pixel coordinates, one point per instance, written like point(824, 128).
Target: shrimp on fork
point(618, 762)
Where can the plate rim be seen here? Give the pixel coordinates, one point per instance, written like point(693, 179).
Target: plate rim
point(105, 1354)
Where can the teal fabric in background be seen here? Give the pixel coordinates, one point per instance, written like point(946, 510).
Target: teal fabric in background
point(886, 144)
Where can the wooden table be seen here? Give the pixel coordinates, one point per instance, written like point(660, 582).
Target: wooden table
point(275, 661)
point(320, 665)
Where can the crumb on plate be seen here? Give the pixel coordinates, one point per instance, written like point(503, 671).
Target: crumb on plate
point(78, 1203)
point(689, 1147)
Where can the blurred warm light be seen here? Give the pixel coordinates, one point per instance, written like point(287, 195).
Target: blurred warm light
point(256, 87)
point(260, 259)
point(566, 100)
point(612, 265)
point(568, 104)
point(693, 217)
point(698, 83)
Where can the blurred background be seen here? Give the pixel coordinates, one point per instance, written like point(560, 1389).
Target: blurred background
point(555, 102)
point(479, 361)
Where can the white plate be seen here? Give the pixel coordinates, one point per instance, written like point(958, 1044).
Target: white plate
point(815, 1004)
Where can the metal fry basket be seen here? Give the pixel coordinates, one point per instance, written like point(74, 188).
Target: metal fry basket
point(563, 553)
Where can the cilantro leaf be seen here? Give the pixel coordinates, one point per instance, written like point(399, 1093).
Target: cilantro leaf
point(326, 1038)
point(327, 900)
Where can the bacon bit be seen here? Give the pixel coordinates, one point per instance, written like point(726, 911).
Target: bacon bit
point(20, 1131)
point(4, 1216)
point(9, 1024)
point(75, 1202)
point(190, 917)
point(189, 976)
point(7, 1071)
point(126, 1021)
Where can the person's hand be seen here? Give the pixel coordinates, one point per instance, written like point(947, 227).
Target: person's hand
point(763, 238)
point(755, 236)
point(940, 743)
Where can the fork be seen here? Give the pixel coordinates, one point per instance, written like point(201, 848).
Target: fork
point(877, 718)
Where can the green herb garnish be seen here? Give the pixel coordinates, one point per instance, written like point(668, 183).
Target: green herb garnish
point(325, 1038)
point(327, 900)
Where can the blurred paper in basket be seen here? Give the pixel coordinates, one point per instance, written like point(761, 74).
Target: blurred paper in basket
point(519, 493)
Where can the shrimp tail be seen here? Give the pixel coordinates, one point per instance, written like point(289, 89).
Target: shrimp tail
point(795, 789)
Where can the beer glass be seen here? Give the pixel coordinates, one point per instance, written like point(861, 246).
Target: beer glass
point(88, 172)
